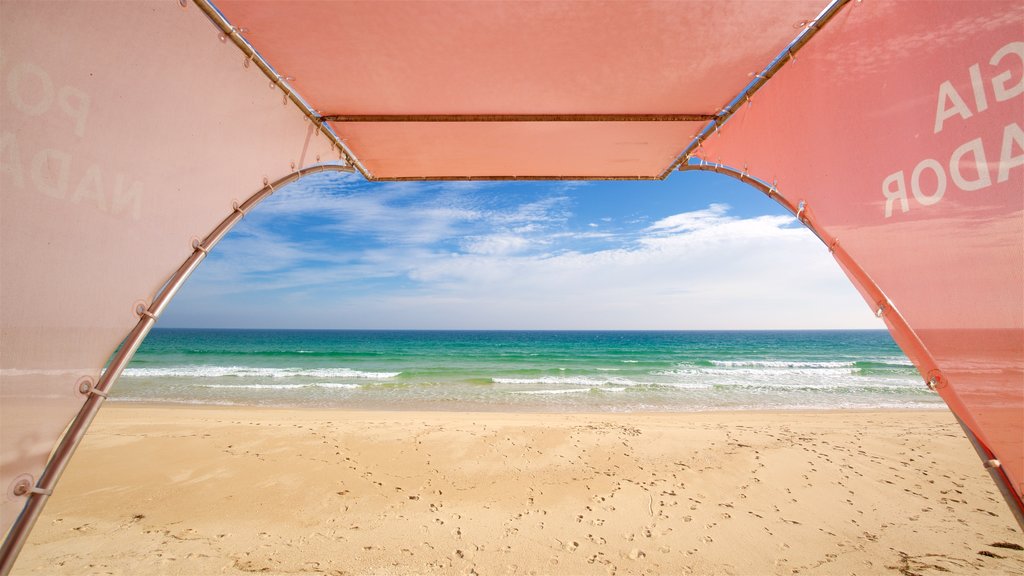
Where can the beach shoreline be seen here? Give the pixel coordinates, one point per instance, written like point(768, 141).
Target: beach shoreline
point(192, 489)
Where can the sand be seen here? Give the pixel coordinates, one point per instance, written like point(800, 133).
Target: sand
point(191, 490)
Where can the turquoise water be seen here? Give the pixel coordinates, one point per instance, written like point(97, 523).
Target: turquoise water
point(525, 371)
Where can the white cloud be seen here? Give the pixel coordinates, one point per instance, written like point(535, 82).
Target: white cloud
point(714, 214)
point(451, 262)
point(496, 244)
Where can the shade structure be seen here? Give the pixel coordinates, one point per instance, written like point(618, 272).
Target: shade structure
point(133, 133)
point(899, 130)
point(116, 155)
point(572, 150)
point(513, 58)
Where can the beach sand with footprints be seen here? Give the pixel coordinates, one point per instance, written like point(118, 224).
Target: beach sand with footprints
point(211, 490)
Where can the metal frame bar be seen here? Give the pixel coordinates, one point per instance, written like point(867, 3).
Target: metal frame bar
point(506, 178)
point(760, 79)
point(928, 368)
point(517, 117)
point(997, 473)
point(250, 52)
point(37, 496)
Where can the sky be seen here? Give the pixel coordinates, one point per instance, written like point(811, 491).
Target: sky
point(698, 251)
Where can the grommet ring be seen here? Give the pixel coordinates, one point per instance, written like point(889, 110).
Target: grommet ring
point(935, 381)
point(21, 485)
point(84, 385)
point(141, 310)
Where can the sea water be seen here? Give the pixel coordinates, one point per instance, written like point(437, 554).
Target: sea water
point(545, 371)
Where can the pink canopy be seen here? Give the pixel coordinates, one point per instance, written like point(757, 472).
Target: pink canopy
point(134, 135)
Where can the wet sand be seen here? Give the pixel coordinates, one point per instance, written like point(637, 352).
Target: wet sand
point(200, 490)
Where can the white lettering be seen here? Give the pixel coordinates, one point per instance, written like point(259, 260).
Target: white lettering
point(10, 159)
point(956, 163)
point(959, 108)
point(90, 186)
point(980, 100)
point(893, 194)
point(940, 184)
point(1012, 134)
point(123, 199)
point(1003, 93)
point(28, 98)
point(75, 104)
point(50, 170)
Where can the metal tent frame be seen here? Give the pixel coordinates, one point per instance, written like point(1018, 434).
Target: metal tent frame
point(687, 160)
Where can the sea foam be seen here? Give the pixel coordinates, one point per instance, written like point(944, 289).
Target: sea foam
point(251, 371)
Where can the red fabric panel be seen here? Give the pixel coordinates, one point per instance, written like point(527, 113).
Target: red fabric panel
point(391, 149)
point(900, 125)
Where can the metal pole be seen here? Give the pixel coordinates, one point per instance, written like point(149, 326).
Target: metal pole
point(995, 470)
point(506, 178)
point(235, 35)
point(517, 117)
point(38, 495)
point(760, 80)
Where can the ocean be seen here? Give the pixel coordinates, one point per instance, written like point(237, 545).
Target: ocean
point(525, 371)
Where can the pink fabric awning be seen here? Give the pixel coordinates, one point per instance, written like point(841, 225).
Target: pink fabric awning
point(559, 58)
point(900, 129)
point(131, 129)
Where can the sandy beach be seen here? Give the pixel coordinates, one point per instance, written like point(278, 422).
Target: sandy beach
point(203, 490)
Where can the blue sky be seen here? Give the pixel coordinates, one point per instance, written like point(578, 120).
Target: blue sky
point(698, 251)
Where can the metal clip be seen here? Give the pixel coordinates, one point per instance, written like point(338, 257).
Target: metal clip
point(197, 245)
point(800, 210)
point(141, 310)
point(993, 464)
point(97, 392)
point(25, 487)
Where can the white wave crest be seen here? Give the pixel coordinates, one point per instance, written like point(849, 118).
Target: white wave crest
point(251, 371)
point(566, 381)
point(779, 364)
point(756, 372)
point(559, 391)
point(284, 386)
